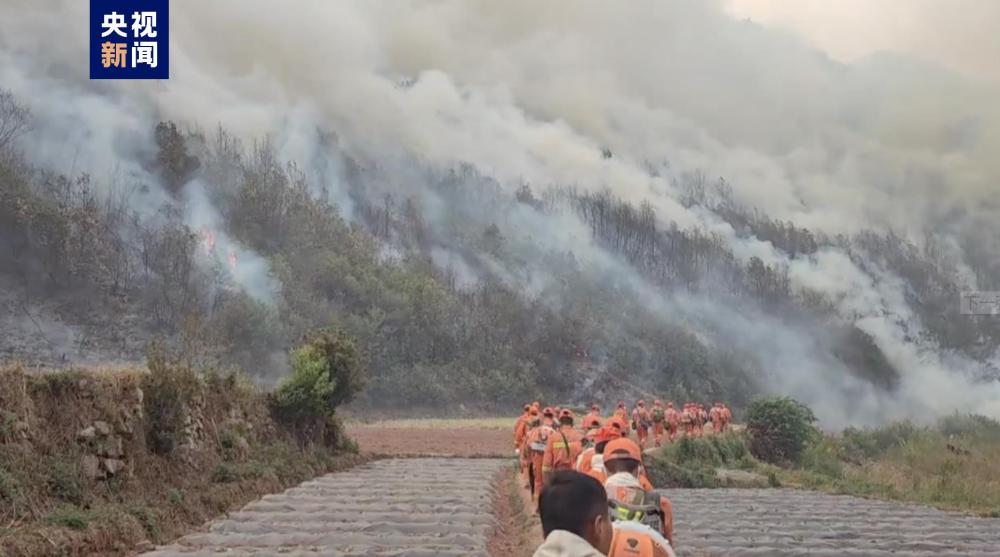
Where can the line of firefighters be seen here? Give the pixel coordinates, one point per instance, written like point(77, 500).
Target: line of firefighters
point(547, 442)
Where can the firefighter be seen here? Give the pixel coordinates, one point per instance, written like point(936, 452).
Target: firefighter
point(715, 416)
point(640, 422)
point(520, 432)
point(563, 447)
point(519, 429)
point(628, 498)
point(622, 413)
point(673, 419)
point(549, 416)
point(593, 419)
point(596, 466)
point(585, 463)
point(658, 417)
point(726, 417)
point(534, 452)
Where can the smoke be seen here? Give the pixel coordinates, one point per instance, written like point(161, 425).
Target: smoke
point(536, 92)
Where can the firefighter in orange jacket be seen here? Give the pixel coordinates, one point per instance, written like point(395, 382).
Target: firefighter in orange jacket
point(593, 419)
point(563, 447)
point(629, 499)
point(640, 421)
point(673, 418)
point(622, 413)
point(658, 415)
point(534, 452)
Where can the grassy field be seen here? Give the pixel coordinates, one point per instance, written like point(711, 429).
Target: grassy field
point(952, 464)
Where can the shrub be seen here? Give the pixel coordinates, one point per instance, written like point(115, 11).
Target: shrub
point(326, 371)
point(169, 391)
point(64, 481)
point(69, 516)
point(780, 428)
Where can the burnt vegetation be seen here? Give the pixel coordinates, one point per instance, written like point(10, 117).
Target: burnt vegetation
point(498, 318)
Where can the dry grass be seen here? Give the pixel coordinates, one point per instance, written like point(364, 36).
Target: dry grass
point(49, 508)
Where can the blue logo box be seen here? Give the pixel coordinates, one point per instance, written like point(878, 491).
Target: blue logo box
point(129, 39)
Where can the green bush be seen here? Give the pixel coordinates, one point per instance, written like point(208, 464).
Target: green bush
point(327, 371)
point(780, 429)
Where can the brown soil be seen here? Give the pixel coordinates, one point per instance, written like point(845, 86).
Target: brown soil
point(517, 532)
point(470, 442)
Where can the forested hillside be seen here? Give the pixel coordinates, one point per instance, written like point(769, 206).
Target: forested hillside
point(656, 200)
point(463, 301)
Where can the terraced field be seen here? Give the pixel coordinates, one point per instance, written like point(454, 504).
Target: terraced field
point(784, 522)
point(421, 507)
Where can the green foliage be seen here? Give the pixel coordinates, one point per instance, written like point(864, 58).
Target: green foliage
point(327, 371)
point(169, 391)
point(692, 462)
point(148, 518)
point(69, 516)
point(65, 481)
point(780, 429)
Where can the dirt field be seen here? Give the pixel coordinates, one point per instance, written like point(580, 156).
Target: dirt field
point(400, 507)
point(472, 438)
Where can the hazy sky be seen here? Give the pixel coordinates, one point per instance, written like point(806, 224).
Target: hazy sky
point(961, 34)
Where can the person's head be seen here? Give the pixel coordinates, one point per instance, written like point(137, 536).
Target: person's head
point(642, 403)
point(526, 408)
point(622, 455)
point(670, 405)
point(566, 417)
point(595, 408)
point(576, 503)
point(605, 435)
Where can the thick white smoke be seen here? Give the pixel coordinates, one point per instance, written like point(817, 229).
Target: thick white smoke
point(535, 91)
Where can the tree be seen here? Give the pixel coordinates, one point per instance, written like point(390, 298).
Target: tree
point(780, 428)
point(327, 371)
point(15, 119)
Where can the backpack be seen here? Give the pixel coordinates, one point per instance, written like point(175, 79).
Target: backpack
point(644, 509)
point(657, 414)
point(543, 439)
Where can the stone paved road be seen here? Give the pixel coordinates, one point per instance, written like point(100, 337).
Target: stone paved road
point(783, 522)
point(403, 508)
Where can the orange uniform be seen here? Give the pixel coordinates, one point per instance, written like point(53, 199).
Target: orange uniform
point(672, 418)
point(640, 418)
point(627, 495)
point(520, 427)
point(533, 452)
point(629, 543)
point(593, 419)
point(658, 416)
point(562, 449)
point(622, 414)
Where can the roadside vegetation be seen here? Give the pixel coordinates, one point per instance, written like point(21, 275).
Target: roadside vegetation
point(950, 464)
point(98, 461)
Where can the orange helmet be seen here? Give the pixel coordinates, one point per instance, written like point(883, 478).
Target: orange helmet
point(533, 411)
point(565, 413)
point(642, 402)
point(620, 449)
point(595, 408)
point(548, 412)
point(607, 433)
point(657, 402)
point(670, 405)
point(527, 407)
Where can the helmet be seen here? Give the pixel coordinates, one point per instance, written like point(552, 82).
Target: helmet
point(565, 413)
point(642, 402)
point(595, 407)
point(670, 404)
point(607, 433)
point(621, 449)
point(527, 407)
point(549, 412)
point(657, 402)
